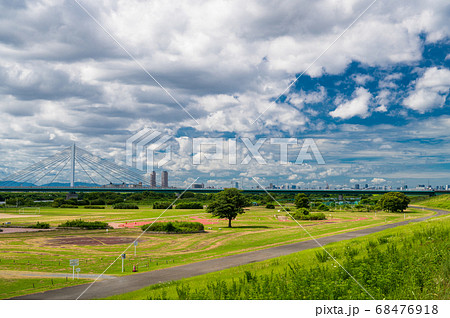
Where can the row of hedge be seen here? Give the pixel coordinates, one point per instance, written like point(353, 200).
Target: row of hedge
point(189, 205)
point(40, 225)
point(299, 215)
point(162, 205)
point(126, 206)
point(85, 224)
point(174, 227)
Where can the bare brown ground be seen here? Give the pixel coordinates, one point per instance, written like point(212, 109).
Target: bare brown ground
point(89, 241)
point(13, 216)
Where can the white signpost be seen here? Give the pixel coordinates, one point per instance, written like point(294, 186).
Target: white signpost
point(123, 257)
point(135, 245)
point(74, 263)
point(78, 272)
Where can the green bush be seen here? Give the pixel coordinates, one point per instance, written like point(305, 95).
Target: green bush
point(189, 205)
point(97, 202)
point(67, 206)
point(310, 216)
point(94, 207)
point(162, 205)
point(40, 225)
point(85, 224)
point(322, 207)
point(125, 206)
point(270, 206)
point(174, 227)
point(300, 213)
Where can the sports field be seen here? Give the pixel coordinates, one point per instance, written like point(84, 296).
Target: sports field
point(50, 251)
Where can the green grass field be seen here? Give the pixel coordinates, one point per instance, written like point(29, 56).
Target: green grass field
point(408, 262)
point(439, 202)
point(258, 228)
point(16, 286)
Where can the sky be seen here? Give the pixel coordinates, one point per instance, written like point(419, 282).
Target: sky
point(367, 81)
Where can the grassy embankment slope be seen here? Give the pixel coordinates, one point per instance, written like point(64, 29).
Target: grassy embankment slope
point(439, 202)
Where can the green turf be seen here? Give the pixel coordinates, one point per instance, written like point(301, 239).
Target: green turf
point(407, 262)
point(12, 287)
point(440, 202)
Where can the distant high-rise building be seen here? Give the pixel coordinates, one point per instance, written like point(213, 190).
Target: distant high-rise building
point(236, 185)
point(153, 179)
point(293, 187)
point(198, 186)
point(366, 186)
point(357, 186)
point(164, 179)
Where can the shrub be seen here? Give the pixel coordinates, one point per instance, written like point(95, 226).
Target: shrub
point(85, 224)
point(301, 200)
point(189, 205)
point(67, 206)
point(98, 202)
point(174, 227)
point(94, 207)
point(162, 205)
point(125, 206)
point(40, 225)
point(300, 213)
point(312, 216)
point(270, 206)
point(322, 207)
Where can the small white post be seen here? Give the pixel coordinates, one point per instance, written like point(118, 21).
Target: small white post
point(73, 272)
point(122, 264)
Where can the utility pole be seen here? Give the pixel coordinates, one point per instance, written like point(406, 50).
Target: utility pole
point(72, 166)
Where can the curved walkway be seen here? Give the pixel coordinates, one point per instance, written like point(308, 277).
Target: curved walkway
point(125, 284)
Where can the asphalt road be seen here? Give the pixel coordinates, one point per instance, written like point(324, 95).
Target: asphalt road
point(120, 285)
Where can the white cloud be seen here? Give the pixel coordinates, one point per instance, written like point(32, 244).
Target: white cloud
point(378, 180)
point(358, 106)
point(430, 90)
point(362, 79)
point(63, 78)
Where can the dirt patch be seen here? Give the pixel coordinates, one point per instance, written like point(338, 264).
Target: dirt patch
point(90, 241)
point(135, 224)
point(13, 216)
point(8, 230)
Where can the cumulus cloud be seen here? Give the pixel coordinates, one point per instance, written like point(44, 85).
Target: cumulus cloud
point(64, 79)
point(358, 106)
point(378, 180)
point(430, 90)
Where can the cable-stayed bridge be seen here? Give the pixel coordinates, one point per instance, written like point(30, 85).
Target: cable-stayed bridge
point(75, 167)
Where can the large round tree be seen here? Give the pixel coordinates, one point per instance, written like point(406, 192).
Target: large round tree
point(302, 201)
point(394, 202)
point(227, 204)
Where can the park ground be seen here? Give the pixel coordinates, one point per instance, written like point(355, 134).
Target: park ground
point(48, 252)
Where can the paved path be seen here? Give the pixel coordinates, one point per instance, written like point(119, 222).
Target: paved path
point(124, 284)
